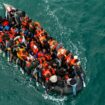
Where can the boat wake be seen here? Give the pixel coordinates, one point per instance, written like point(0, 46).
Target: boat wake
point(57, 24)
point(57, 100)
point(63, 30)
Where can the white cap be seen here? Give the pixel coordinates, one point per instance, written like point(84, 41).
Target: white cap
point(78, 63)
point(53, 79)
point(35, 47)
point(75, 57)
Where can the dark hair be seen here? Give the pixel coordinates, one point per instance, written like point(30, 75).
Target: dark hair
point(67, 52)
point(23, 14)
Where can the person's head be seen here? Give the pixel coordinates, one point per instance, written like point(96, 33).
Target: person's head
point(44, 50)
point(73, 81)
point(54, 65)
point(23, 13)
point(46, 34)
point(75, 57)
point(71, 57)
point(67, 52)
point(49, 67)
point(50, 38)
point(46, 65)
point(78, 63)
point(53, 78)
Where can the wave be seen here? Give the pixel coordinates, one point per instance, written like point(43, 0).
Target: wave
point(63, 30)
point(57, 100)
point(1, 6)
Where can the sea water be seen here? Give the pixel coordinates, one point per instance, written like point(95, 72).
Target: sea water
point(80, 26)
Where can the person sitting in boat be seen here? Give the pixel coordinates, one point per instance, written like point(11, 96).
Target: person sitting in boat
point(31, 27)
point(22, 53)
point(13, 16)
point(52, 70)
point(38, 32)
point(46, 74)
point(53, 81)
point(34, 47)
point(24, 22)
point(5, 23)
point(73, 61)
point(61, 52)
point(52, 43)
point(42, 39)
point(37, 24)
point(46, 46)
point(41, 57)
point(68, 56)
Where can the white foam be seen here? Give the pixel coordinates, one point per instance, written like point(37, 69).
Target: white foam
point(3, 54)
point(56, 20)
point(59, 100)
point(21, 70)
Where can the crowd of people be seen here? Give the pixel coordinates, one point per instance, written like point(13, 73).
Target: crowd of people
point(26, 43)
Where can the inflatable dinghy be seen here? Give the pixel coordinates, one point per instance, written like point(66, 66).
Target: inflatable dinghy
point(27, 44)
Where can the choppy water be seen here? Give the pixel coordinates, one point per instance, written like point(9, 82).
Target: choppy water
point(80, 26)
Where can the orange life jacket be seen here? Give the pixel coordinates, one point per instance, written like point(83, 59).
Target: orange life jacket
point(21, 54)
point(40, 54)
point(42, 38)
point(53, 44)
point(53, 71)
point(73, 62)
point(45, 64)
point(11, 36)
point(37, 24)
point(61, 52)
point(41, 60)
point(24, 22)
point(34, 47)
point(39, 32)
point(48, 57)
point(68, 58)
point(46, 73)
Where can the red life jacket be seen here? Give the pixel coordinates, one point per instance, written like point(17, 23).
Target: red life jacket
point(5, 23)
point(48, 57)
point(53, 71)
point(73, 61)
point(68, 58)
point(11, 36)
point(34, 47)
point(39, 32)
point(40, 54)
point(46, 73)
point(1, 40)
